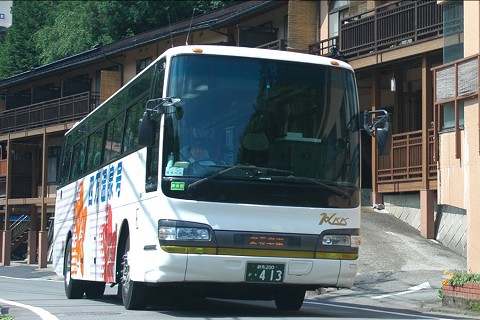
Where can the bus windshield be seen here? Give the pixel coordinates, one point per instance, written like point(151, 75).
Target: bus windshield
point(261, 131)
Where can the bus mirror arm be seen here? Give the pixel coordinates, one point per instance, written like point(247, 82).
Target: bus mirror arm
point(159, 106)
point(379, 127)
point(155, 108)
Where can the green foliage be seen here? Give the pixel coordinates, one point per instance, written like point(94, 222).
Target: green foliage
point(48, 30)
point(6, 317)
point(459, 279)
point(18, 51)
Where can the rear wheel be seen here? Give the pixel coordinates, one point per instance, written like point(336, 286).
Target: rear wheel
point(289, 299)
point(94, 290)
point(133, 292)
point(74, 289)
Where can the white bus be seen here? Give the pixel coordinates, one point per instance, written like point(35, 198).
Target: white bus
point(232, 171)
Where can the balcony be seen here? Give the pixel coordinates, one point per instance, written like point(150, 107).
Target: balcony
point(280, 45)
point(403, 169)
point(386, 27)
point(327, 48)
point(51, 112)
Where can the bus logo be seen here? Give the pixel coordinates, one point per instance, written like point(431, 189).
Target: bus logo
point(333, 220)
point(105, 184)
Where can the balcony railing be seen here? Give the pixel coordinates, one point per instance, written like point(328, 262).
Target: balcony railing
point(402, 170)
point(385, 27)
point(280, 44)
point(328, 47)
point(65, 109)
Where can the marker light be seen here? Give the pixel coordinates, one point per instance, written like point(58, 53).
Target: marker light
point(197, 50)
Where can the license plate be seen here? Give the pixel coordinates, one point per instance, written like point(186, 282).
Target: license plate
point(265, 272)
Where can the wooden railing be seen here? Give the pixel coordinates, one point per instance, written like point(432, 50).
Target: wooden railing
point(327, 48)
point(279, 44)
point(65, 109)
point(395, 24)
point(404, 165)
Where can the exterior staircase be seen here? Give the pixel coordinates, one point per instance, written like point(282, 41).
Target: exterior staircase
point(20, 230)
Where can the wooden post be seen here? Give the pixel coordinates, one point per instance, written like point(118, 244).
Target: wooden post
point(43, 234)
point(427, 221)
point(1, 245)
point(427, 200)
point(7, 246)
point(32, 236)
point(7, 233)
point(376, 197)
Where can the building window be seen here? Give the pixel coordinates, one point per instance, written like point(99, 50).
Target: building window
point(452, 31)
point(142, 64)
point(53, 163)
point(448, 115)
point(338, 10)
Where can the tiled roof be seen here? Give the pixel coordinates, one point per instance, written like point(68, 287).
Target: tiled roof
point(212, 20)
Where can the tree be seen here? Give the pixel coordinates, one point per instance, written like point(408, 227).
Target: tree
point(71, 27)
point(18, 51)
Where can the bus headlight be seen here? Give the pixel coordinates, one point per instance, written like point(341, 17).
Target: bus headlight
point(341, 240)
point(193, 234)
point(336, 240)
point(169, 230)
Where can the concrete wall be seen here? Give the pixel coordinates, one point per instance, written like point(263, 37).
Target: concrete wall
point(450, 222)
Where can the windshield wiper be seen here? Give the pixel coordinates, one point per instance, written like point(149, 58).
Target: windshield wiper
point(335, 190)
point(244, 167)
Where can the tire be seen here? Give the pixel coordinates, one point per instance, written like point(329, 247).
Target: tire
point(94, 290)
point(133, 292)
point(289, 299)
point(74, 289)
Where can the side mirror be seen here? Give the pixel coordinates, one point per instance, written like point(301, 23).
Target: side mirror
point(146, 130)
point(379, 128)
point(384, 140)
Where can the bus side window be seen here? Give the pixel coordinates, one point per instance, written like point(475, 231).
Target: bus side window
point(66, 158)
point(113, 139)
point(78, 159)
point(134, 114)
point(94, 156)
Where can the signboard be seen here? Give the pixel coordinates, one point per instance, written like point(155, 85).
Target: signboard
point(5, 14)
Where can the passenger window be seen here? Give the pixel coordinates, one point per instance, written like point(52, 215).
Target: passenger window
point(134, 114)
point(95, 142)
point(113, 141)
point(78, 159)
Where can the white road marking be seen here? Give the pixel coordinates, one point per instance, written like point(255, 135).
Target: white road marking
point(31, 279)
point(415, 316)
point(422, 286)
point(43, 314)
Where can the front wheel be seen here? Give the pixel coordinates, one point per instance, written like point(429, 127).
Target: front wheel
point(74, 289)
point(133, 292)
point(289, 299)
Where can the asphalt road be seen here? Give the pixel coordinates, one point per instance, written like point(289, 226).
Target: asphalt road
point(399, 273)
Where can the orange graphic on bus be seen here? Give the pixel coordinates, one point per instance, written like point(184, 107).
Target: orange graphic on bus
point(109, 247)
point(80, 222)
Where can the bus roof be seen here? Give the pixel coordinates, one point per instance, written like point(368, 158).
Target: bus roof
point(254, 53)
